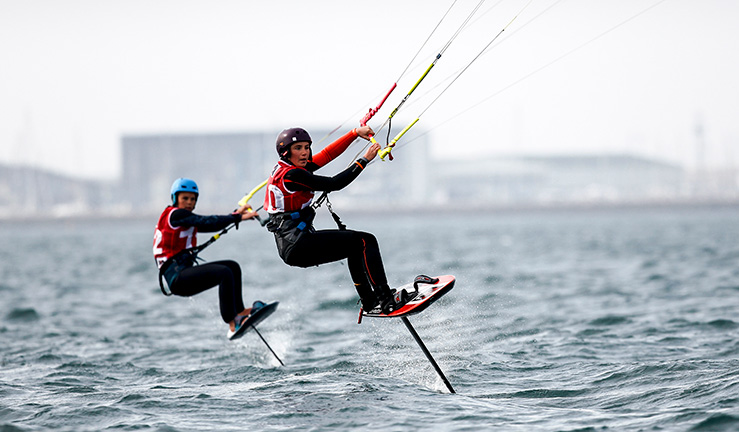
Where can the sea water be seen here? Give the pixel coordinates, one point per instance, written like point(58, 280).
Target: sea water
point(561, 320)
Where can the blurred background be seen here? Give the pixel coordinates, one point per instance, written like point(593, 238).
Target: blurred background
point(608, 104)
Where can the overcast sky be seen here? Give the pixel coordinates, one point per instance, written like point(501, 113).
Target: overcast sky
point(77, 74)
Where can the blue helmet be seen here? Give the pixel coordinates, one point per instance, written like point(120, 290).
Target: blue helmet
point(183, 185)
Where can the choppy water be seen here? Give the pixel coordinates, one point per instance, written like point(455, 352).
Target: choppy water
point(570, 320)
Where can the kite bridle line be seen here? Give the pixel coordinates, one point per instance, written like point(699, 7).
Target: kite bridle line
point(372, 111)
point(537, 70)
point(385, 152)
point(489, 49)
point(389, 146)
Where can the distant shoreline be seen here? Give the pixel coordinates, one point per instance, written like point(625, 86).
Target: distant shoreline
point(449, 208)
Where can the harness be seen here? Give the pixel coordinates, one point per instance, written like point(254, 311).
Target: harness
point(171, 269)
point(289, 227)
point(186, 258)
point(337, 219)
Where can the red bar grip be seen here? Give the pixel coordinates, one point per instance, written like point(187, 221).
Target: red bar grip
point(373, 111)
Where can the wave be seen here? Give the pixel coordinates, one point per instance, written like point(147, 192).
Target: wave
point(23, 315)
point(718, 423)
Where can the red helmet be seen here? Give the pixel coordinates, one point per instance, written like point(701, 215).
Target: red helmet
point(287, 137)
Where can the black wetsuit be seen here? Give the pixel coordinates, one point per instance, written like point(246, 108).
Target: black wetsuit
point(198, 278)
point(306, 247)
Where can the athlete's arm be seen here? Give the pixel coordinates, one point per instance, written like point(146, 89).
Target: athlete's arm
point(182, 217)
point(303, 180)
point(333, 150)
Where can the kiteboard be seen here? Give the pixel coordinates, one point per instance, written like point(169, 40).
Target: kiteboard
point(419, 295)
point(255, 318)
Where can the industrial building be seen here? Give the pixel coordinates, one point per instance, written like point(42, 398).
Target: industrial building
point(229, 165)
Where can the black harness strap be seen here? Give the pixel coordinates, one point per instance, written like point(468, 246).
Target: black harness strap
point(337, 219)
point(161, 283)
point(179, 261)
point(187, 258)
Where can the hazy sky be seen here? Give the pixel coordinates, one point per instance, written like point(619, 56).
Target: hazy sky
point(76, 74)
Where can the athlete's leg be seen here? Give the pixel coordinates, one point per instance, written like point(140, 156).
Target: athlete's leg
point(371, 259)
point(359, 248)
point(325, 246)
point(225, 274)
point(231, 299)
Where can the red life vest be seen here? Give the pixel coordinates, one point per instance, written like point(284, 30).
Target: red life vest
point(169, 240)
point(278, 198)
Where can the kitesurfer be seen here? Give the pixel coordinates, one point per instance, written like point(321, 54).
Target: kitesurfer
point(174, 237)
point(290, 190)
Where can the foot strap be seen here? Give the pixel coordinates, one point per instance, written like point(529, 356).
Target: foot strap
point(424, 279)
